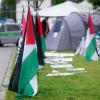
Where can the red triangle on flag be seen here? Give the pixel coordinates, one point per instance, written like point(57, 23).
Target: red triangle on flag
point(91, 27)
point(30, 38)
point(40, 26)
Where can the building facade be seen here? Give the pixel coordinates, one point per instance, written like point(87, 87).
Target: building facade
point(24, 4)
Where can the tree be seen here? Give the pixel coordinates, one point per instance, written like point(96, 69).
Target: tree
point(95, 2)
point(57, 1)
point(61, 1)
point(76, 1)
point(8, 9)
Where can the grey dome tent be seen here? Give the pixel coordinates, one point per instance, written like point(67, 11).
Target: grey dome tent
point(66, 33)
point(96, 21)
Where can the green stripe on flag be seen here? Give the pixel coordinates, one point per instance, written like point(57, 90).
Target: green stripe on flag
point(28, 70)
point(43, 43)
point(91, 49)
point(27, 90)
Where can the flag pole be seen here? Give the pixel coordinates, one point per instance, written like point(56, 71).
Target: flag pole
point(35, 28)
point(37, 5)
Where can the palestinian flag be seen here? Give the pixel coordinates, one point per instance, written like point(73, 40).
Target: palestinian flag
point(41, 34)
point(27, 85)
point(90, 42)
point(38, 42)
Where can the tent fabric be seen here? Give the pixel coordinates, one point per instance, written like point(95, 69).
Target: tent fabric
point(67, 32)
point(96, 21)
point(64, 9)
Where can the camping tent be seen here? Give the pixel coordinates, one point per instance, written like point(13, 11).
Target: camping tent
point(68, 31)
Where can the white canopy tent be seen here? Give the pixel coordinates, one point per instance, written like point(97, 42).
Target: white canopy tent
point(63, 9)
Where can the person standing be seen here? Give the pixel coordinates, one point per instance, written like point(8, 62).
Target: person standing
point(45, 25)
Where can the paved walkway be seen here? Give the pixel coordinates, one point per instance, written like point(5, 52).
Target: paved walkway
point(6, 57)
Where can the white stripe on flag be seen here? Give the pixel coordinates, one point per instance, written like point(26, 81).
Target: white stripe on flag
point(34, 84)
point(94, 56)
point(27, 50)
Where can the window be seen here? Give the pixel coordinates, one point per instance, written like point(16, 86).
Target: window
point(2, 28)
point(13, 27)
point(57, 26)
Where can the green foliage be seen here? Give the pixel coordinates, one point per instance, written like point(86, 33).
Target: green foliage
point(80, 86)
point(57, 1)
point(95, 2)
point(77, 1)
point(8, 9)
point(61, 1)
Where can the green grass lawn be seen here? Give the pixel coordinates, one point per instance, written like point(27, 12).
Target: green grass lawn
point(80, 86)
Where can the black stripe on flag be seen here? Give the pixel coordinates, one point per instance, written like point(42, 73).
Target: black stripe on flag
point(38, 42)
point(13, 85)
